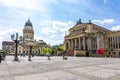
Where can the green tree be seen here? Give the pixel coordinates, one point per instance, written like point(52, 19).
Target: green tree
point(4, 51)
point(47, 50)
point(60, 48)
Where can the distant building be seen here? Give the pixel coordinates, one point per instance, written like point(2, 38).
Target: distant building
point(87, 38)
point(29, 41)
point(8, 45)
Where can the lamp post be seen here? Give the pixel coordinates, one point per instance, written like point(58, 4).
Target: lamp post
point(29, 57)
point(16, 41)
point(48, 54)
point(111, 52)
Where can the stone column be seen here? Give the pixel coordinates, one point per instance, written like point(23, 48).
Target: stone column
point(89, 43)
point(79, 43)
point(98, 41)
point(102, 42)
point(75, 46)
point(83, 43)
point(65, 45)
point(69, 45)
point(72, 44)
point(41, 49)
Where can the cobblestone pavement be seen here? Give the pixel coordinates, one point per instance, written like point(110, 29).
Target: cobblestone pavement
point(75, 68)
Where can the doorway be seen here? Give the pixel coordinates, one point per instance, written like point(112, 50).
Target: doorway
point(87, 54)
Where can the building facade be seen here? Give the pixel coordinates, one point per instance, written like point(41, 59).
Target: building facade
point(29, 43)
point(87, 38)
point(8, 46)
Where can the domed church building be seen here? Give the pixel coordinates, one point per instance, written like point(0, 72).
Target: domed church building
point(29, 44)
point(28, 32)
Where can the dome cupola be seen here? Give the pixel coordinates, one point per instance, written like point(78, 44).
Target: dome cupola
point(28, 23)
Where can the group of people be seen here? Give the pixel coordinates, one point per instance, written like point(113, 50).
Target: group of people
point(2, 57)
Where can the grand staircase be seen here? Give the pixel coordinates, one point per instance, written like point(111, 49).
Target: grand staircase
point(69, 53)
point(62, 53)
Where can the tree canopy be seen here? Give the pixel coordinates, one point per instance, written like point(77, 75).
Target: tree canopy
point(60, 48)
point(4, 51)
point(47, 50)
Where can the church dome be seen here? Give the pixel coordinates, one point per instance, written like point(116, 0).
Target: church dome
point(41, 42)
point(28, 23)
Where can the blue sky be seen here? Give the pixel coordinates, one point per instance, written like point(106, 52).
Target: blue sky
point(52, 19)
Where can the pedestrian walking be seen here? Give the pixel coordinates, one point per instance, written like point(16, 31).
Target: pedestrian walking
point(0, 58)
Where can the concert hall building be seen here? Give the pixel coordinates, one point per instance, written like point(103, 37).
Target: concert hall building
point(85, 39)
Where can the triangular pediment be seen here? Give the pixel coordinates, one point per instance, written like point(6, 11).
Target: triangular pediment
point(30, 44)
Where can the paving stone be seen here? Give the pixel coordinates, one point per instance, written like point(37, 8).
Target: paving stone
point(62, 75)
point(31, 77)
point(86, 69)
point(101, 74)
point(75, 68)
point(110, 71)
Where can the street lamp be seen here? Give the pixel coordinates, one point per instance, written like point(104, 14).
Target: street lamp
point(16, 41)
point(29, 56)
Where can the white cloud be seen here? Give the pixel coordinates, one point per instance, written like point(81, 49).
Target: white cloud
point(115, 28)
point(54, 31)
point(5, 35)
point(52, 36)
point(26, 4)
point(47, 30)
point(9, 31)
point(63, 35)
point(55, 26)
point(55, 42)
point(108, 21)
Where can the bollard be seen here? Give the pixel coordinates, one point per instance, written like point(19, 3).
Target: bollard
point(29, 58)
point(64, 57)
point(48, 57)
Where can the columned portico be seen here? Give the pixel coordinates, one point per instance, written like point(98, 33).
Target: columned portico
point(76, 43)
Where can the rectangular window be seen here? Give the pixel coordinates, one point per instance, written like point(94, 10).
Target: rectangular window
point(108, 39)
point(111, 39)
point(118, 38)
point(109, 46)
point(119, 44)
point(116, 45)
point(115, 38)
